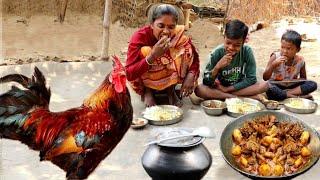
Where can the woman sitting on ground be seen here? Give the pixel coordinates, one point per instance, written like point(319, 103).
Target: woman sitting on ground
point(160, 56)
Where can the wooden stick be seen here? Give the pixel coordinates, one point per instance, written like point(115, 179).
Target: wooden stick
point(225, 17)
point(106, 30)
point(28, 9)
point(63, 11)
point(186, 13)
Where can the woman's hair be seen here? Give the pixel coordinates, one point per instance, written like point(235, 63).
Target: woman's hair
point(293, 37)
point(164, 9)
point(236, 29)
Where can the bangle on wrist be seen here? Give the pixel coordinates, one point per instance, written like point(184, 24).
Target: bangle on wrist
point(150, 64)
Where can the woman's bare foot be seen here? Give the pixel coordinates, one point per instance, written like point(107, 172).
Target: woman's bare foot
point(148, 98)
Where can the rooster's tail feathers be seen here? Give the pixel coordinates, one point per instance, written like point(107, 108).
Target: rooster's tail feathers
point(16, 120)
point(16, 104)
point(19, 78)
point(37, 83)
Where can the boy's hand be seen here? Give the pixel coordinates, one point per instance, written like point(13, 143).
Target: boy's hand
point(221, 88)
point(278, 61)
point(224, 61)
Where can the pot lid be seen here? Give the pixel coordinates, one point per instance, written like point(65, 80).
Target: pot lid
point(179, 142)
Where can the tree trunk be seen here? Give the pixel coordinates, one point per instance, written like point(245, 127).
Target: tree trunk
point(106, 30)
point(63, 10)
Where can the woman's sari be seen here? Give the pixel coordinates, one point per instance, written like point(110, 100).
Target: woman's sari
point(169, 69)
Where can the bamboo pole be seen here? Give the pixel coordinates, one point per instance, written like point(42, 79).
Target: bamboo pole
point(63, 10)
point(106, 30)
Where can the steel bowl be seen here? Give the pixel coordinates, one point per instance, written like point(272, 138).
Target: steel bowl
point(307, 107)
point(226, 142)
point(219, 108)
point(233, 101)
point(165, 122)
point(138, 123)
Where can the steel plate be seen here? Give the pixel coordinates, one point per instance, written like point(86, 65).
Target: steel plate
point(309, 106)
point(232, 101)
point(165, 122)
point(287, 83)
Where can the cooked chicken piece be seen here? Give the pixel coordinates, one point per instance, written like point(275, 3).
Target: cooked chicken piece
point(268, 155)
point(259, 128)
point(290, 160)
point(296, 131)
point(252, 160)
point(281, 159)
point(296, 151)
point(273, 147)
point(246, 130)
point(263, 149)
point(290, 145)
point(250, 146)
point(277, 141)
point(279, 152)
point(261, 159)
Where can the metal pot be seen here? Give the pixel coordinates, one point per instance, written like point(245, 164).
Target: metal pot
point(185, 163)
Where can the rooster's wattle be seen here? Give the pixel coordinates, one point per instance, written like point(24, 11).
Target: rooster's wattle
point(76, 140)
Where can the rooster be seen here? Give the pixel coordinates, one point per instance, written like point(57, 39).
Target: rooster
point(76, 140)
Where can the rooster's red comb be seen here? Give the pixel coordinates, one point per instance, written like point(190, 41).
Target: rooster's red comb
point(117, 66)
point(117, 76)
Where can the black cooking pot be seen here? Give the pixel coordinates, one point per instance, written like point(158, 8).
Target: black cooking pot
point(185, 163)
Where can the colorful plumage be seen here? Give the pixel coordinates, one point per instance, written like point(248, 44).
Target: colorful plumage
point(76, 140)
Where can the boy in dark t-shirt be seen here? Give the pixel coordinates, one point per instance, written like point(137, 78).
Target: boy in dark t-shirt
point(231, 70)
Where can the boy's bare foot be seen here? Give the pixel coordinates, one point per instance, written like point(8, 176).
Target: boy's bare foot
point(307, 96)
point(195, 99)
point(148, 98)
point(289, 95)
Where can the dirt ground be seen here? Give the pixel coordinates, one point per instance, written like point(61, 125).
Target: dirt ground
point(40, 38)
point(79, 39)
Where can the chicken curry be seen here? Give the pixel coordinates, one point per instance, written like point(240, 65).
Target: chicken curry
point(267, 147)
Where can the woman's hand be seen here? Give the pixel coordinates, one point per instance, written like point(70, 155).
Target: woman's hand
point(160, 48)
point(188, 85)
